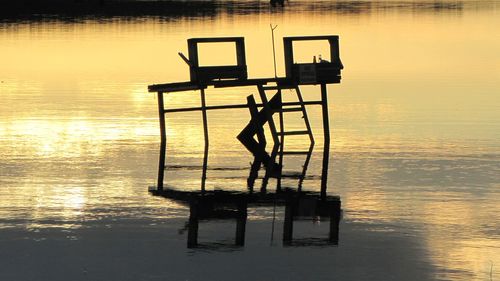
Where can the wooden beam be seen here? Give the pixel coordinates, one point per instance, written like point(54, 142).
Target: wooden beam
point(240, 83)
point(216, 39)
point(282, 82)
point(309, 38)
point(234, 106)
point(174, 87)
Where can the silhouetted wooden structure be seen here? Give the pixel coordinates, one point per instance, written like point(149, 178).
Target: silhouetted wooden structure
point(204, 74)
point(324, 72)
point(297, 74)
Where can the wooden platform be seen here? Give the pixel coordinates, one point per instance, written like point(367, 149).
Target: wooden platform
point(282, 83)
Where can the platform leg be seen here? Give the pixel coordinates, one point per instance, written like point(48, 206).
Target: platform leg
point(205, 135)
point(163, 143)
point(335, 209)
point(281, 146)
point(193, 225)
point(326, 143)
point(241, 222)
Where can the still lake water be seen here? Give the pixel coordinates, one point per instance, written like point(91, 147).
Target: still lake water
point(415, 150)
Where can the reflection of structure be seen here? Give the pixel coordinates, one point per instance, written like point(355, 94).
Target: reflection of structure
point(323, 73)
point(223, 205)
point(309, 206)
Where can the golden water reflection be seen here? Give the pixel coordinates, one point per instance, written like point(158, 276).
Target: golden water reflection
point(415, 131)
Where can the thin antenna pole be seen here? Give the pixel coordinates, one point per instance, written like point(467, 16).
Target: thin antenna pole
point(274, 49)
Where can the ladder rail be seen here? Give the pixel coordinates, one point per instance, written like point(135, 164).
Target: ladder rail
point(282, 133)
point(304, 111)
point(279, 135)
point(305, 166)
point(282, 141)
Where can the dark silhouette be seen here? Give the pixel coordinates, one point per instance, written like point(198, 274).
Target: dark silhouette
point(206, 205)
point(201, 77)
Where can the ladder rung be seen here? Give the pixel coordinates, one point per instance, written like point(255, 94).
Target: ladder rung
point(268, 88)
point(282, 87)
point(293, 133)
point(295, 152)
point(291, 176)
point(289, 109)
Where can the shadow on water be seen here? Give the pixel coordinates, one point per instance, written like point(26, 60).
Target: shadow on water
point(30, 10)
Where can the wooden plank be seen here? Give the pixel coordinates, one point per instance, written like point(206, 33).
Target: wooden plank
point(206, 74)
point(174, 87)
point(279, 87)
point(241, 83)
point(253, 198)
point(283, 83)
point(308, 38)
point(216, 39)
point(233, 106)
point(293, 133)
point(290, 109)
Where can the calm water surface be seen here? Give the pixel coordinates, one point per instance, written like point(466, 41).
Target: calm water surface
point(415, 146)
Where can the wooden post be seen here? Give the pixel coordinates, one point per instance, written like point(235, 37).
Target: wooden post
point(193, 224)
point(241, 222)
point(326, 144)
point(205, 134)
point(282, 143)
point(288, 48)
point(163, 143)
point(240, 52)
point(334, 210)
point(334, 50)
point(193, 58)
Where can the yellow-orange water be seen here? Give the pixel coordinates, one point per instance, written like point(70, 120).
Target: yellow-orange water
point(415, 124)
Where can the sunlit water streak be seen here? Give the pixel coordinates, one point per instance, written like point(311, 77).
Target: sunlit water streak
point(416, 142)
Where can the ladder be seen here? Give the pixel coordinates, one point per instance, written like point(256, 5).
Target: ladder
point(279, 135)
